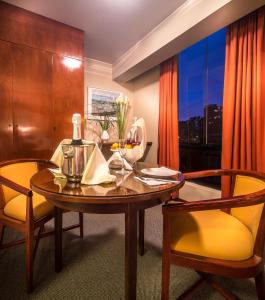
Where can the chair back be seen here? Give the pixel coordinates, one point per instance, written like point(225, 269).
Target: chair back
point(18, 172)
point(248, 215)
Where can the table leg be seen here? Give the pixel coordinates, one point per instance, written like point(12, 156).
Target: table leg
point(141, 218)
point(58, 212)
point(130, 253)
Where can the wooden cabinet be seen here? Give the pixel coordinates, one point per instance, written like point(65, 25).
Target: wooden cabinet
point(40, 88)
point(39, 93)
point(68, 94)
point(32, 102)
point(6, 123)
point(26, 28)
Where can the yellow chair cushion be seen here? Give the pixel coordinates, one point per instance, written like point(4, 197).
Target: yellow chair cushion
point(19, 173)
point(249, 215)
point(212, 234)
point(16, 207)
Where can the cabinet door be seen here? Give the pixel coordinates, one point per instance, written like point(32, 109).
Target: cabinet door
point(68, 95)
point(6, 125)
point(32, 102)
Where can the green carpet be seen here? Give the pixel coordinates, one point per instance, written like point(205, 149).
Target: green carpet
point(94, 266)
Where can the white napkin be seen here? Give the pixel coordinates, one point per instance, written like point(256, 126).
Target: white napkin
point(137, 152)
point(116, 155)
point(96, 170)
point(57, 156)
point(140, 123)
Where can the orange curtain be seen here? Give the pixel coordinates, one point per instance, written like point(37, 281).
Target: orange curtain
point(243, 141)
point(168, 154)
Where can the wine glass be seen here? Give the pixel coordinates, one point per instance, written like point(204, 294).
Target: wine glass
point(132, 159)
point(133, 155)
point(122, 151)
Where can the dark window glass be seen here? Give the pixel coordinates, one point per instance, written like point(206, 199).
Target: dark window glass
point(215, 86)
point(192, 93)
point(201, 79)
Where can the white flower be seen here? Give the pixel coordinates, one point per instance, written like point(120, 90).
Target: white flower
point(121, 108)
point(126, 100)
point(122, 100)
point(119, 100)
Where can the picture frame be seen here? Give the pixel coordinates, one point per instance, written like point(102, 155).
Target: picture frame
point(100, 102)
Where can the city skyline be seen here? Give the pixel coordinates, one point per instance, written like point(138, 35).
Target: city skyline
point(206, 129)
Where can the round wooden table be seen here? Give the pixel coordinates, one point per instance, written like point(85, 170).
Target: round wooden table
point(127, 195)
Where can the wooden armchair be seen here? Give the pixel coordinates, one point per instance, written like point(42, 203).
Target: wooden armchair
point(24, 210)
point(199, 235)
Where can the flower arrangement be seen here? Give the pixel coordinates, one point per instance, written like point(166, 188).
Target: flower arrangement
point(105, 121)
point(121, 106)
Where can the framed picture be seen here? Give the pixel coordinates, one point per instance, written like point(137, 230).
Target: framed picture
point(100, 103)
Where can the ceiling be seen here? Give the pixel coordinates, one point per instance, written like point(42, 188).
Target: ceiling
point(111, 26)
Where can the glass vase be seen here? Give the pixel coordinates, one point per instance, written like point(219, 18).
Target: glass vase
point(121, 133)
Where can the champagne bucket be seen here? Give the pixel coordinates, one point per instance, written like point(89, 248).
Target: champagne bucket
point(75, 158)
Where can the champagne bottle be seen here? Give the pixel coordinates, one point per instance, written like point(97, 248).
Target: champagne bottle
point(76, 120)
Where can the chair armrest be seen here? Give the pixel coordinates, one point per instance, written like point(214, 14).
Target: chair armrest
point(42, 161)
point(201, 174)
point(222, 172)
point(14, 186)
point(238, 201)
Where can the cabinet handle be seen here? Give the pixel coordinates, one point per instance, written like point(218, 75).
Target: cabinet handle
point(54, 128)
point(9, 125)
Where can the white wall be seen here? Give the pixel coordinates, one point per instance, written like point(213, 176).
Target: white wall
point(99, 75)
point(146, 105)
point(144, 97)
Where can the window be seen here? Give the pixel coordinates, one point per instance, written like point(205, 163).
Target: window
point(201, 79)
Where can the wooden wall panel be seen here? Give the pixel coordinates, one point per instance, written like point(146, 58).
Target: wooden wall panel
point(39, 93)
point(68, 96)
point(6, 124)
point(23, 27)
point(32, 102)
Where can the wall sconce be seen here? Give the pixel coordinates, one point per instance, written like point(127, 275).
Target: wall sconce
point(71, 63)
